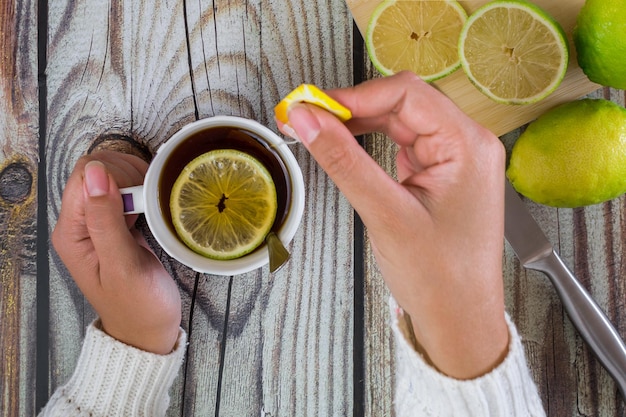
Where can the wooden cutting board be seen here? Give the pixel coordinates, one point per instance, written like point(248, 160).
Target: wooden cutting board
point(502, 118)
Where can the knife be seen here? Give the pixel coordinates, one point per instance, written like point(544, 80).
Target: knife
point(535, 251)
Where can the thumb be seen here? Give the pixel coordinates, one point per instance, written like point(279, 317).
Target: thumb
point(364, 183)
point(104, 217)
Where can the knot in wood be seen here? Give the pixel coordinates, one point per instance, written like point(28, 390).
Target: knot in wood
point(121, 143)
point(16, 183)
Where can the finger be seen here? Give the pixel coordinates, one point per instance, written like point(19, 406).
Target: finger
point(104, 217)
point(407, 164)
point(365, 184)
point(69, 237)
point(404, 107)
point(127, 170)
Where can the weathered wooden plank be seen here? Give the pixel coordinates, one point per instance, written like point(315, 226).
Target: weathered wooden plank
point(118, 76)
point(307, 320)
point(379, 347)
point(379, 352)
point(570, 380)
point(200, 380)
point(19, 150)
point(288, 346)
point(75, 54)
point(134, 71)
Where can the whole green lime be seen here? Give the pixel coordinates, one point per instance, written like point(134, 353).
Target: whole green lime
point(574, 155)
point(599, 37)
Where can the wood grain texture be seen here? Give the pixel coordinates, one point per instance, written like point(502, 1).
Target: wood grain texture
point(379, 346)
point(18, 205)
point(501, 118)
point(279, 344)
point(129, 74)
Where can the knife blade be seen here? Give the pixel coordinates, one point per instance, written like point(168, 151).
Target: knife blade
point(535, 251)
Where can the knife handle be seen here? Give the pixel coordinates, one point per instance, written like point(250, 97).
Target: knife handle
point(590, 321)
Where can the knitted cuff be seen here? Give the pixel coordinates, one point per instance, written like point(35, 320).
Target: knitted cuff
point(508, 390)
point(114, 379)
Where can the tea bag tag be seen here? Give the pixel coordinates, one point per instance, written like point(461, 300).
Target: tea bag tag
point(132, 197)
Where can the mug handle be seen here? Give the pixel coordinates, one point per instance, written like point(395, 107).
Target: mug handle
point(132, 197)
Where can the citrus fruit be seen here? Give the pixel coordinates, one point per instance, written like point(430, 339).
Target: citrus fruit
point(307, 93)
point(599, 39)
point(574, 155)
point(223, 204)
point(513, 51)
point(420, 36)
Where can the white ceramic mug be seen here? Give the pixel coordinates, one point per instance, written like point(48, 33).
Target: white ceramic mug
point(145, 198)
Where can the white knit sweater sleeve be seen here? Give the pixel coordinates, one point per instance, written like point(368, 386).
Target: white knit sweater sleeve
point(421, 390)
point(114, 379)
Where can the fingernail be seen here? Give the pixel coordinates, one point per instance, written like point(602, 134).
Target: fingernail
point(304, 122)
point(96, 179)
point(288, 130)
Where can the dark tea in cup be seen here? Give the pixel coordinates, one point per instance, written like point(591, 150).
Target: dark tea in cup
point(226, 137)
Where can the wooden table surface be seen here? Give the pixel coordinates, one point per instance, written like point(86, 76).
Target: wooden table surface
point(310, 340)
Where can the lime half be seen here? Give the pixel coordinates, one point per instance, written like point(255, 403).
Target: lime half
point(223, 204)
point(513, 51)
point(419, 36)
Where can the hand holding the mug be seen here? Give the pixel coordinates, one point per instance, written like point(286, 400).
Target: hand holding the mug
point(437, 232)
point(137, 300)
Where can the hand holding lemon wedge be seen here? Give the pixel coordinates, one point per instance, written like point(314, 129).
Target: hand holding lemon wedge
point(308, 93)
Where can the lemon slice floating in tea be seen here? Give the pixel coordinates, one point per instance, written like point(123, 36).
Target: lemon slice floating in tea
point(223, 204)
point(513, 51)
point(308, 93)
point(420, 36)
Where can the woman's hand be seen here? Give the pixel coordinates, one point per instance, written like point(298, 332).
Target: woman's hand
point(437, 232)
point(136, 299)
